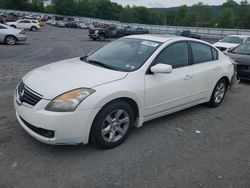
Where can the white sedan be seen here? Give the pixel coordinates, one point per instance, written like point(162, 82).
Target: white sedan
point(231, 41)
point(32, 25)
point(101, 96)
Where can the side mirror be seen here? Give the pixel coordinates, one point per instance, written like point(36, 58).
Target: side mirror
point(162, 68)
point(220, 40)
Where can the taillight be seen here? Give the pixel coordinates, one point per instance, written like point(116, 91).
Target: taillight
point(22, 32)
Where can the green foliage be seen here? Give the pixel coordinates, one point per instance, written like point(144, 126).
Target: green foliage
point(229, 14)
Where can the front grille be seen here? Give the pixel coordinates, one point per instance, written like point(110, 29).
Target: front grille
point(43, 132)
point(91, 31)
point(27, 95)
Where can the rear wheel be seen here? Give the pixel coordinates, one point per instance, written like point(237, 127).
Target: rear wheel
point(33, 28)
point(10, 40)
point(218, 93)
point(112, 125)
point(13, 26)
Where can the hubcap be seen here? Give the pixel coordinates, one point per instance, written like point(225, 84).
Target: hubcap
point(219, 93)
point(10, 40)
point(115, 125)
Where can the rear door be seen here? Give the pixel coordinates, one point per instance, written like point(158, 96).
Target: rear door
point(206, 70)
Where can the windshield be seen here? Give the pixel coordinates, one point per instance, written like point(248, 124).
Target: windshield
point(124, 54)
point(242, 49)
point(233, 39)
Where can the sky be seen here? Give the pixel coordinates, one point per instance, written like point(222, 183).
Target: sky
point(167, 3)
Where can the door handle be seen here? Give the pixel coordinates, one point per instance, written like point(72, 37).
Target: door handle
point(187, 77)
point(217, 68)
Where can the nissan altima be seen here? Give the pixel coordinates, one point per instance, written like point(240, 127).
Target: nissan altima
point(99, 97)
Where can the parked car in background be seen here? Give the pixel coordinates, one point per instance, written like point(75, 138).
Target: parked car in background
point(9, 17)
point(107, 32)
point(82, 25)
point(189, 34)
point(10, 35)
point(231, 41)
point(25, 24)
point(60, 23)
point(101, 96)
point(71, 24)
point(136, 31)
point(241, 55)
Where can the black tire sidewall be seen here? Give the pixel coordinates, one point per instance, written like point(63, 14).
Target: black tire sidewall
point(96, 130)
point(212, 102)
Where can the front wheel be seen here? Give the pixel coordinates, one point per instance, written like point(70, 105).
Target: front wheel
point(101, 38)
point(112, 125)
point(218, 93)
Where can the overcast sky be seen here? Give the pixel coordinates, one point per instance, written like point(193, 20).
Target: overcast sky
point(167, 3)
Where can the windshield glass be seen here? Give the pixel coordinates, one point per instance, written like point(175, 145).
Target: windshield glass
point(124, 54)
point(233, 39)
point(242, 49)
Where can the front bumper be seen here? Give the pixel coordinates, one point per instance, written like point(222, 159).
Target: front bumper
point(65, 128)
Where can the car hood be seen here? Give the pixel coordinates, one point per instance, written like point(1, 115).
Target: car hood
point(56, 78)
point(225, 45)
point(239, 58)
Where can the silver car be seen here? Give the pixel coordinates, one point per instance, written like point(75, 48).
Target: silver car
point(11, 35)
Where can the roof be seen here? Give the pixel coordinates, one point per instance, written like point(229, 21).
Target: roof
point(154, 37)
point(241, 36)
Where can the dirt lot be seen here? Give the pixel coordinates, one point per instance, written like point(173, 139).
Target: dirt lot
point(166, 152)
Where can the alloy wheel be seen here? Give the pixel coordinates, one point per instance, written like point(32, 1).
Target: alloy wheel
point(115, 126)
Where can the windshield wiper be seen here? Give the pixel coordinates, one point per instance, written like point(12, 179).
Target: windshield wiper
point(98, 63)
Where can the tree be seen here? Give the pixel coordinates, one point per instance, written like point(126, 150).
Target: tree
point(181, 15)
point(226, 18)
point(36, 6)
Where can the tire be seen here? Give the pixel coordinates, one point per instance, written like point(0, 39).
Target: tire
point(10, 40)
point(218, 94)
point(13, 26)
point(101, 38)
point(33, 28)
point(112, 125)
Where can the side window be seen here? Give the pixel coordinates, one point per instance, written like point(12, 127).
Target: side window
point(201, 53)
point(2, 27)
point(247, 39)
point(175, 55)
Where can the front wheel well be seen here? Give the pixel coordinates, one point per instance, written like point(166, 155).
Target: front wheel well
point(131, 102)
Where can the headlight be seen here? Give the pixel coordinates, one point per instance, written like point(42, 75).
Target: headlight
point(96, 31)
point(69, 101)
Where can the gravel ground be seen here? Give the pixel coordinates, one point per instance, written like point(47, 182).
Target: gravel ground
point(197, 147)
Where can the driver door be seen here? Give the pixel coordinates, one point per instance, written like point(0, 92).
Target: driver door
point(168, 92)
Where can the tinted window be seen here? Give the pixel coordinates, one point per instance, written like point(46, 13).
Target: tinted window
point(201, 53)
point(175, 55)
point(24, 21)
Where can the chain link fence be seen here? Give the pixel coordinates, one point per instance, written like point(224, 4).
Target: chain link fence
point(205, 33)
